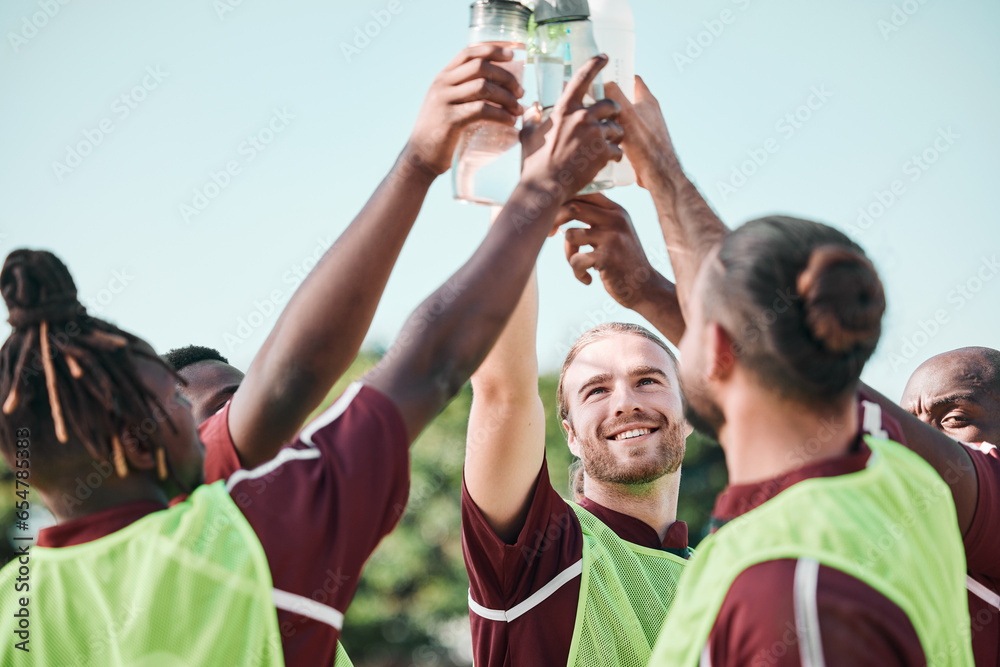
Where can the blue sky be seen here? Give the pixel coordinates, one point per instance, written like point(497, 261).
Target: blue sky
point(902, 125)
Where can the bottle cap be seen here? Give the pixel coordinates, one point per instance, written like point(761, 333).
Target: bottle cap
point(547, 11)
point(489, 12)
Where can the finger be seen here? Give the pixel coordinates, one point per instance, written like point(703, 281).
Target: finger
point(482, 110)
point(642, 92)
point(615, 153)
point(597, 199)
point(596, 216)
point(484, 69)
point(487, 51)
point(572, 97)
point(484, 89)
point(604, 110)
point(581, 236)
point(580, 262)
point(612, 132)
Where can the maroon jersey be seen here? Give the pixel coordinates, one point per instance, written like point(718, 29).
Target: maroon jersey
point(319, 509)
point(758, 623)
point(982, 554)
point(523, 597)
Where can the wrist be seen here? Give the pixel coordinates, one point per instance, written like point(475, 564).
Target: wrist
point(666, 180)
point(412, 164)
point(653, 292)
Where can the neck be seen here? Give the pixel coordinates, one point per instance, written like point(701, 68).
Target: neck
point(765, 437)
point(86, 495)
point(654, 503)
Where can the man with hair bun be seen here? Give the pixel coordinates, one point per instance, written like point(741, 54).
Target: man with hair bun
point(833, 543)
point(958, 393)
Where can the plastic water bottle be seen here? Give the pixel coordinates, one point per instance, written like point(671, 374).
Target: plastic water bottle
point(614, 30)
point(487, 162)
point(565, 42)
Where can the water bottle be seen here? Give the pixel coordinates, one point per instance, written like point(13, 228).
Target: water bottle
point(614, 30)
point(487, 162)
point(565, 42)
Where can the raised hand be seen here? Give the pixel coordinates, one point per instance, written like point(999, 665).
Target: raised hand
point(618, 257)
point(563, 153)
point(473, 87)
point(647, 142)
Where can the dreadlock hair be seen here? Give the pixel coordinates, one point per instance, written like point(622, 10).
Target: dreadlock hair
point(180, 357)
point(66, 374)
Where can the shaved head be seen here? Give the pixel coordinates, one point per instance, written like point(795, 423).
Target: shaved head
point(958, 392)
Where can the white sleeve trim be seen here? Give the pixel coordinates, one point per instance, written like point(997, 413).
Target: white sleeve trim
point(983, 592)
point(807, 612)
point(533, 600)
point(706, 656)
point(303, 606)
point(284, 456)
point(330, 414)
point(872, 423)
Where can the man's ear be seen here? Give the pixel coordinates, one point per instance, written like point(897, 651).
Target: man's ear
point(688, 429)
point(139, 454)
point(721, 353)
point(574, 444)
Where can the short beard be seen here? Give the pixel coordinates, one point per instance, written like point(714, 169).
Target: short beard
point(702, 412)
point(601, 465)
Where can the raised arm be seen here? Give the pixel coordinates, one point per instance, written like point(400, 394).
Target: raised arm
point(618, 257)
point(689, 225)
point(321, 329)
point(449, 335)
point(505, 444)
point(948, 457)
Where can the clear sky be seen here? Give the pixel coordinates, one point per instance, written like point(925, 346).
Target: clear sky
point(113, 116)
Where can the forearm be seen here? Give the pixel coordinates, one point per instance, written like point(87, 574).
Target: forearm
point(948, 457)
point(661, 308)
point(690, 227)
point(321, 329)
point(449, 335)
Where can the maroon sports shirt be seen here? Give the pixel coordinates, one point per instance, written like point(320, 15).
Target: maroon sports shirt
point(319, 509)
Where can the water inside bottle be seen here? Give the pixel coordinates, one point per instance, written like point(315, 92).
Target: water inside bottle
point(487, 162)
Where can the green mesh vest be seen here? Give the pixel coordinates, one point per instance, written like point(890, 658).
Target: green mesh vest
point(186, 586)
point(891, 525)
point(625, 593)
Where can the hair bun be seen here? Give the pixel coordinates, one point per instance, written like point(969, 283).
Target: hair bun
point(842, 298)
point(37, 287)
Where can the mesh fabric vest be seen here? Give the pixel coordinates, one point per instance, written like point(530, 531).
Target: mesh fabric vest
point(189, 585)
point(891, 525)
point(625, 593)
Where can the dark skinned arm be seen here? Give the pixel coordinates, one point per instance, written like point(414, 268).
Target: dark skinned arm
point(948, 457)
point(321, 329)
point(450, 334)
point(618, 257)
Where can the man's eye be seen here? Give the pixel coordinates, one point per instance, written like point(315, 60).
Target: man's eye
point(648, 381)
point(955, 421)
point(595, 390)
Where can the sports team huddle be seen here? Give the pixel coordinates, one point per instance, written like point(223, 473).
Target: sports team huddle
point(854, 530)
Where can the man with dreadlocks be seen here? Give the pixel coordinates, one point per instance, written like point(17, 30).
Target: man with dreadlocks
point(124, 580)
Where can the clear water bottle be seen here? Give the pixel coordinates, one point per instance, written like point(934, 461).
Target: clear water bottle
point(487, 162)
point(565, 42)
point(614, 30)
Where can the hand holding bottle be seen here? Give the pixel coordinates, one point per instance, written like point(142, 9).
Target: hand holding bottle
point(647, 141)
point(563, 153)
point(471, 88)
